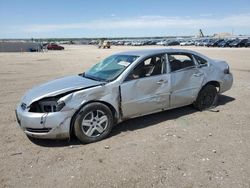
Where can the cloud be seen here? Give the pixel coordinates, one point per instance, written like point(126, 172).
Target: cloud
point(144, 22)
point(207, 15)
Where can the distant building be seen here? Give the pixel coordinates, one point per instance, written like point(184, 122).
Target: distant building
point(222, 35)
point(11, 46)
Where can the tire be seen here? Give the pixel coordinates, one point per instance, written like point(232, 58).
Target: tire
point(207, 98)
point(93, 123)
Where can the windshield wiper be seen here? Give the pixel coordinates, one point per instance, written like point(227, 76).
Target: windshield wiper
point(93, 78)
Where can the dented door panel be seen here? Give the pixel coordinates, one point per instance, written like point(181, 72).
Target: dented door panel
point(145, 95)
point(185, 86)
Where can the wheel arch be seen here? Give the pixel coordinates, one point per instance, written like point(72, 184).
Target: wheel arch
point(214, 83)
point(196, 103)
point(111, 107)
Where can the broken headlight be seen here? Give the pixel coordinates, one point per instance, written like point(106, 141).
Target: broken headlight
point(50, 104)
point(47, 106)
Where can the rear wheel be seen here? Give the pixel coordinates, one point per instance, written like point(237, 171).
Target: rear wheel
point(207, 98)
point(93, 122)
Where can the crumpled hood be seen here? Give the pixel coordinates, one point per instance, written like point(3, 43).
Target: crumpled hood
point(56, 87)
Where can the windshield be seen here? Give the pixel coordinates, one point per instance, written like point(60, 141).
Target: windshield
point(110, 68)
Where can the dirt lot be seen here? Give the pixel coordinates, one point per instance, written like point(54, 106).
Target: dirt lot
point(176, 148)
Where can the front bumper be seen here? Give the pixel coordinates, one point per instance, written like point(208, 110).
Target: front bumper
point(54, 125)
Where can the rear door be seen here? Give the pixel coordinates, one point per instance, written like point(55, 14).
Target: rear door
point(186, 79)
point(147, 88)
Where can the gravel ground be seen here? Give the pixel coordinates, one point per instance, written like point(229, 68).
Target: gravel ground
point(176, 148)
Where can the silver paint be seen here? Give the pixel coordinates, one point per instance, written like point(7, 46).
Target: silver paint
point(127, 98)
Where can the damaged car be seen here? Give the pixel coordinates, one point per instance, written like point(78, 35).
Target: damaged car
point(122, 86)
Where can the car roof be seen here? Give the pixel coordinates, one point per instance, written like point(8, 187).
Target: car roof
point(148, 52)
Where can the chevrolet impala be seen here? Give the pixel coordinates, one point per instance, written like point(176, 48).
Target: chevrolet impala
point(122, 86)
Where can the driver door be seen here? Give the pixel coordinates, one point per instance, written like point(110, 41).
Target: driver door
point(147, 88)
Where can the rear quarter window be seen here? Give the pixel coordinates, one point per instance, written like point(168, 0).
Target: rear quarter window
point(200, 60)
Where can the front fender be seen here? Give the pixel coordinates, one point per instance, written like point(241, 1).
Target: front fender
point(104, 93)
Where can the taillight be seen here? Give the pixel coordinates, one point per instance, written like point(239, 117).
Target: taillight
point(227, 70)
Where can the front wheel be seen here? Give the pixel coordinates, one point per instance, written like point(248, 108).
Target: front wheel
point(207, 98)
point(93, 123)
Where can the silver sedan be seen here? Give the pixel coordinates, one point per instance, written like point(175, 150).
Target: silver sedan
point(122, 86)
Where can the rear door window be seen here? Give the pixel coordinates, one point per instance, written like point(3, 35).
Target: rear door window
point(178, 61)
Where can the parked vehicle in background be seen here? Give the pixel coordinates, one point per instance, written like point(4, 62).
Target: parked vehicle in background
point(127, 43)
point(122, 86)
point(137, 43)
point(214, 43)
point(104, 44)
point(199, 43)
point(248, 43)
point(152, 42)
point(120, 43)
point(239, 43)
point(225, 43)
point(234, 42)
point(93, 42)
point(54, 46)
point(206, 42)
point(172, 43)
point(163, 42)
point(187, 43)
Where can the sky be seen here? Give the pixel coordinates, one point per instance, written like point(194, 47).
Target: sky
point(121, 18)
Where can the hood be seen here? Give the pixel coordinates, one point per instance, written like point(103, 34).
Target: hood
point(57, 87)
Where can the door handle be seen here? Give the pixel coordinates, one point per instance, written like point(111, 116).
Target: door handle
point(198, 74)
point(162, 81)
